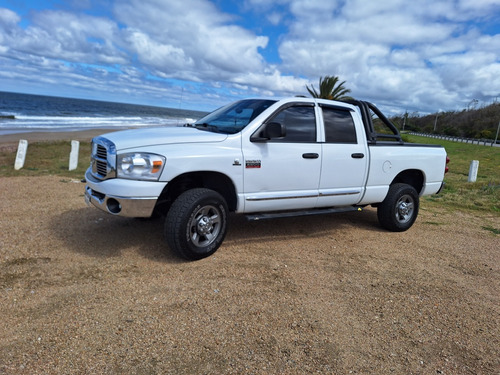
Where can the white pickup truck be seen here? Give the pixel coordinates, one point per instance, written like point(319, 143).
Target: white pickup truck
point(265, 159)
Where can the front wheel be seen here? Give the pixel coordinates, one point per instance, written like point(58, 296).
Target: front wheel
point(196, 223)
point(399, 209)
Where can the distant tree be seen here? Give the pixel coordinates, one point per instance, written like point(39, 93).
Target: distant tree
point(330, 88)
point(481, 122)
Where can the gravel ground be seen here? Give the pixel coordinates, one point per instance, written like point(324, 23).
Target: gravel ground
point(82, 292)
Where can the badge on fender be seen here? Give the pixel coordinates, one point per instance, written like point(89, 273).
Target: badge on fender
point(252, 163)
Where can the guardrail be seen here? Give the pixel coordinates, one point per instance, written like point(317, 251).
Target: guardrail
point(474, 141)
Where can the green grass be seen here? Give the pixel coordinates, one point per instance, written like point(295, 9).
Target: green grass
point(482, 195)
point(52, 158)
point(45, 158)
point(492, 230)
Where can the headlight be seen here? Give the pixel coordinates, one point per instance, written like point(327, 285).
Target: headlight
point(140, 166)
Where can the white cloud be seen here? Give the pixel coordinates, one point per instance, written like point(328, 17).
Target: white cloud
point(8, 22)
point(480, 7)
point(392, 49)
point(8, 19)
point(272, 81)
point(63, 35)
point(425, 54)
point(202, 38)
point(274, 18)
point(163, 57)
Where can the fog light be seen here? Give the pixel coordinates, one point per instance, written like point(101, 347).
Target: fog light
point(113, 206)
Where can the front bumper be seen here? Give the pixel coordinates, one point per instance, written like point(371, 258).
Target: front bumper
point(141, 204)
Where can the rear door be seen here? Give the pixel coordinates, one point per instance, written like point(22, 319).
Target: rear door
point(344, 165)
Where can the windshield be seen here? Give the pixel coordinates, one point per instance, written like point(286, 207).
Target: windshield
point(232, 118)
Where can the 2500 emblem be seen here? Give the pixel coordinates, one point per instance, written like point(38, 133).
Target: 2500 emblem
point(252, 164)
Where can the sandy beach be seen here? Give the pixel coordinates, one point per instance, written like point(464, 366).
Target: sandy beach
point(83, 292)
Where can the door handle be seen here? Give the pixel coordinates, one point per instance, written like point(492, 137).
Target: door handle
point(310, 155)
point(358, 155)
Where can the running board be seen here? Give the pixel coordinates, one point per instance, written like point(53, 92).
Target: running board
point(319, 211)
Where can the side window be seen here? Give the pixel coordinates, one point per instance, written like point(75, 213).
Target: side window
point(300, 124)
point(339, 126)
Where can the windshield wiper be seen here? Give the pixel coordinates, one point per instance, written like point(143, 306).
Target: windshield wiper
point(208, 127)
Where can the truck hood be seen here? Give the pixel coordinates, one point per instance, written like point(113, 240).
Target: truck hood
point(135, 138)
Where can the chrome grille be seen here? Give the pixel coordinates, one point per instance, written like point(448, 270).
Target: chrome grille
point(103, 158)
point(101, 152)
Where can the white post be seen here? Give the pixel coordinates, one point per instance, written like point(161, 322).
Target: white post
point(474, 166)
point(498, 130)
point(73, 156)
point(21, 154)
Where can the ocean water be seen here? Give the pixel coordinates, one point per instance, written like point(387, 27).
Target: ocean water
point(21, 113)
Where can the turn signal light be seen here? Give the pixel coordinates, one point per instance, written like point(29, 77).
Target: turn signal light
point(157, 164)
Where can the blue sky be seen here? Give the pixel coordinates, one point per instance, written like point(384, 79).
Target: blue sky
point(421, 56)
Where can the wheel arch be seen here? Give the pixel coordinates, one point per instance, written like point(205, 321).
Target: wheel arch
point(412, 177)
point(216, 181)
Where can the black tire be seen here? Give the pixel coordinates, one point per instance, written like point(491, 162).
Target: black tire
point(196, 223)
point(399, 209)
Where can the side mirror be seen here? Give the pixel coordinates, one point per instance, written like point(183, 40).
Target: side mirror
point(274, 130)
point(269, 131)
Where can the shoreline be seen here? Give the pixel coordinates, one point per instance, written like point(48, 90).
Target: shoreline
point(40, 136)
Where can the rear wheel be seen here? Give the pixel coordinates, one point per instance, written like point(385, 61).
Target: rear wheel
point(196, 223)
point(399, 209)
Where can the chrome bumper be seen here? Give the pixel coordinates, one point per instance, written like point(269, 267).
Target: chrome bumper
point(122, 206)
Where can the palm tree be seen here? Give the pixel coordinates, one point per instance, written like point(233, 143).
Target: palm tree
point(330, 88)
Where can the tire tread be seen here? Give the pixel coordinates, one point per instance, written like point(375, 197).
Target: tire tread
point(176, 220)
point(385, 211)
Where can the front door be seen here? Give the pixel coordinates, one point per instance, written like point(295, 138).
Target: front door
point(283, 173)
